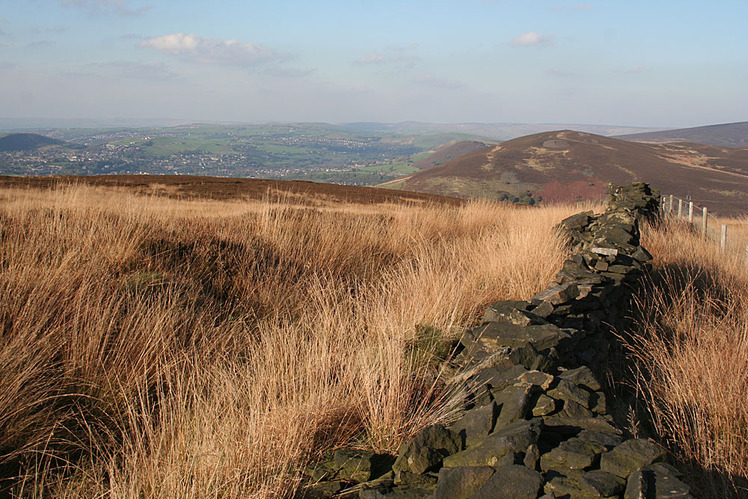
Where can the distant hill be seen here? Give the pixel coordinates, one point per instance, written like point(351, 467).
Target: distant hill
point(568, 165)
point(27, 142)
point(726, 135)
point(448, 152)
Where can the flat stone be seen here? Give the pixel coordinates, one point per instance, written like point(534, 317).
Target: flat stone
point(596, 424)
point(396, 493)
point(511, 311)
point(532, 456)
point(494, 335)
point(543, 310)
point(462, 482)
point(582, 376)
point(537, 378)
point(599, 403)
point(322, 490)
point(543, 406)
point(602, 483)
point(517, 482)
point(415, 480)
point(575, 454)
point(517, 437)
point(576, 221)
point(559, 294)
point(567, 485)
point(658, 481)
point(353, 465)
point(513, 403)
point(498, 378)
point(476, 424)
point(631, 455)
point(567, 390)
point(607, 440)
point(575, 410)
point(641, 255)
point(604, 251)
point(426, 450)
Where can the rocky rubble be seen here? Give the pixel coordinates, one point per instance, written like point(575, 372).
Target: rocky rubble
point(536, 421)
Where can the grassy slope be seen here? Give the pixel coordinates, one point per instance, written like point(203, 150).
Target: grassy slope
point(162, 347)
point(691, 350)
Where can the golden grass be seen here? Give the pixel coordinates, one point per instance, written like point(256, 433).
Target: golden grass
point(162, 348)
point(692, 349)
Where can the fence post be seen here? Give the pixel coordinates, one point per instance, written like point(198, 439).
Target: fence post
point(704, 222)
point(671, 205)
point(723, 238)
point(690, 212)
point(680, 207)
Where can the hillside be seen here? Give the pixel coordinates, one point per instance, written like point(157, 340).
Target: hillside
point(448, 152)
point(724, 135)
point(219, 188)
point(27, 142)
point(569, 165)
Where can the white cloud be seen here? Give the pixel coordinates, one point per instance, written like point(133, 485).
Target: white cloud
point(370, 59)
point(213, 50)
point(120, 7)
point(583, 6)
point(529, 39)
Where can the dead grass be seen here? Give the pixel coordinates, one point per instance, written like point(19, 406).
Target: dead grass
point(692, 352)
point(154, 347)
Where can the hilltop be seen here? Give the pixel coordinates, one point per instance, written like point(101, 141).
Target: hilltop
point(27, 142)
point(723, 135)
point(568, 165)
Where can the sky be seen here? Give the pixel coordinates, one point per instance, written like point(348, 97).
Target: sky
point(651, 63)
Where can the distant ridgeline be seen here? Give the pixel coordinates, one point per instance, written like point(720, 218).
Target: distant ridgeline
point(28, 142)
point(536, 419)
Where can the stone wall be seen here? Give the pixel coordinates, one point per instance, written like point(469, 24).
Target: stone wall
point(536, 420)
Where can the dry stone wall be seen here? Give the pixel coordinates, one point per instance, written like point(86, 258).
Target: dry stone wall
point(536, 420)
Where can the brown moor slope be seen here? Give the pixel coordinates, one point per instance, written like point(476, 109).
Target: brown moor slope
point(194, 187)
point(568, 165)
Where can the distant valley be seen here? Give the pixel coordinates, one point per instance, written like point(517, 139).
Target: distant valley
point(462, 160)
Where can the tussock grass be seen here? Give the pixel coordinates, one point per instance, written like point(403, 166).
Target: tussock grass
point(692, 352)
point(158, 347)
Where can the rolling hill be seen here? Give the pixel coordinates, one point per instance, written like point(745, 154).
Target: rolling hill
point(568, 165)
point(448, 152)
point(724, 135)
point(27, 142)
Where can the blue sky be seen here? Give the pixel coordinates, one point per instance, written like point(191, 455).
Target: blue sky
point(657, 63)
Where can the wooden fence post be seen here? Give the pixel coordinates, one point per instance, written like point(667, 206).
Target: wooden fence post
point(671, 205)
point(704, 222)
point(690, 212)
point(723, 238)
point(680, 207)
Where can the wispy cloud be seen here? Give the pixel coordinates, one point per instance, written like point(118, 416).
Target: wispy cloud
point(531, 39)
point(583, 6)
point(213, 50)
point(633, 70)
point(400, 55)
point(371, 59)
point(119, 7)
point(281, 72)
point(430, 80)
point(40, 43)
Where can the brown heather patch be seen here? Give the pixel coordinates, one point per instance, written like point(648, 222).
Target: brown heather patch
point(161, 347)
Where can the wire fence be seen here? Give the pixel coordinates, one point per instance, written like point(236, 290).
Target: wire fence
point(709, 226)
